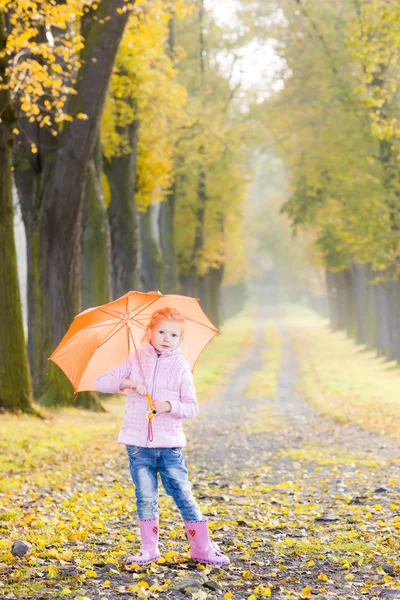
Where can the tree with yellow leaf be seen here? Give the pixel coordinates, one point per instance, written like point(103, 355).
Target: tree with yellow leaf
point(141, 121)
point(15, 382)
point(60, 59)
point(209, 189)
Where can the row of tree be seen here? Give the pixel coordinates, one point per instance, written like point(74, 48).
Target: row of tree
point(336, 125)
point(127, 149)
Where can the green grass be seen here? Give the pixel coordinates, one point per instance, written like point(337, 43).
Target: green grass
point(342, 379)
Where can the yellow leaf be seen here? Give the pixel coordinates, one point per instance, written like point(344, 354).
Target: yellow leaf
point(106, 583)
point(90, 573)
point(15, 131)
point(349, 576)
point(82, 116)
point(34, 151)
point(247, 575)
point(310, 563)
point(322, 577)
point(267, 592)
point(258, 590)
point(228, 595)
point(306, 592)
point(252, 597)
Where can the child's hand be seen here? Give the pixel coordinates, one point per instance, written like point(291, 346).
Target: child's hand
point(128, 384)
point(162, 407)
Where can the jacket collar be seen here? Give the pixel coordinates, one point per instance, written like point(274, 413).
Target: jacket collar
point(151, 351)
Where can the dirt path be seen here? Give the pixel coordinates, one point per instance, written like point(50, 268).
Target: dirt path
point(304, 506)
point(304, 488)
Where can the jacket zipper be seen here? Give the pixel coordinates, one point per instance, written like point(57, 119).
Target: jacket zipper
point(154, 376)
point(152, 387)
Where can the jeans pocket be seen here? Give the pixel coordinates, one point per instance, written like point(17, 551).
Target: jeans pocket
point(176, 451)
point(133, 451)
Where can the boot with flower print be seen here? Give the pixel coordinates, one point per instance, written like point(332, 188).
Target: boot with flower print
point(149, 551)
point(202, 549)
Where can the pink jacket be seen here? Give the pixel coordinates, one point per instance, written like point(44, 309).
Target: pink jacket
point(167, 377)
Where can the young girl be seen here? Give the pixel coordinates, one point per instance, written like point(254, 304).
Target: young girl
point(165, 374)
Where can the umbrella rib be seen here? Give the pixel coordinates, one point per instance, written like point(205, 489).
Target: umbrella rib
point(147, 305)
point(72, 339)
point(138, 357)
point(111, 334)
point(96, 325)
point(132, 320)
point(202, 324)
point(187, 318)
point(111, 313)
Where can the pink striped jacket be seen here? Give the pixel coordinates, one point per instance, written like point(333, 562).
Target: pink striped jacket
point(167, 376)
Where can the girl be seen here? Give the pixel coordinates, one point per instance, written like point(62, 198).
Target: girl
point(166, 375)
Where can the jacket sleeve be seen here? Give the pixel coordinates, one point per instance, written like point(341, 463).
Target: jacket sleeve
point(109, 382)
point(187, 407)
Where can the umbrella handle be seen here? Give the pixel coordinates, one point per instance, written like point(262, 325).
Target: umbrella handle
point(150, 416)
point(152, 411)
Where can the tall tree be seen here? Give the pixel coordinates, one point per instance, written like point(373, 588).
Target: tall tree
point(139, 127)
point(15, 382)
point(51, 182)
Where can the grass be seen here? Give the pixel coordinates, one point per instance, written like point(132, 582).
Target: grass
point(343, 379)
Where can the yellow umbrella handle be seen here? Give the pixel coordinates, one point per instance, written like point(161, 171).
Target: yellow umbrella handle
point(152, 412)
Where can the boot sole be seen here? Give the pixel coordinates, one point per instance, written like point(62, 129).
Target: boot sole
point(211, 562)
point(144, 562)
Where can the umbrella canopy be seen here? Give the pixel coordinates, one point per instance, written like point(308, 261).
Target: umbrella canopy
point(102, 337)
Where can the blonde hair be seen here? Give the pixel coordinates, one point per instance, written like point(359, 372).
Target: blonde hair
point(169, 314)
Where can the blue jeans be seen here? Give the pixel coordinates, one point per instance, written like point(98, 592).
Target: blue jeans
point(145, 464)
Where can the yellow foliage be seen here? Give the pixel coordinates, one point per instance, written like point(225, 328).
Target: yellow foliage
point(42, 67)
point(143, 88)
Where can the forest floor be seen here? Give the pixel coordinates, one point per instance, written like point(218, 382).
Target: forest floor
point(294, 460)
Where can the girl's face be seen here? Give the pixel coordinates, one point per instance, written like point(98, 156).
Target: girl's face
point(165, 335)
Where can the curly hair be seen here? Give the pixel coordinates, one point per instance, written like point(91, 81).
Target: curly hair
point(170, 314)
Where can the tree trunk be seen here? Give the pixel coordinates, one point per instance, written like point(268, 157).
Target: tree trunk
point(359, 276)
point(123, 217)
point(382, 337)
point(59, 196)
point(215, 277)
point(96, 267)
point(234, 297)
point(346, 304)
point(191, 284)
point(166, 228)
point(371, 312)
point(27, 180)
point(333, 302)
point(15, 382)
point(151, 258)
point(393, 297)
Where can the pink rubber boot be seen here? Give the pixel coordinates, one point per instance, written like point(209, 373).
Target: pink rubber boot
point(149, 551)
point(201, 547)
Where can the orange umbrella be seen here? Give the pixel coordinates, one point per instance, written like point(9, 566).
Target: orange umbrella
point(102, 337)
